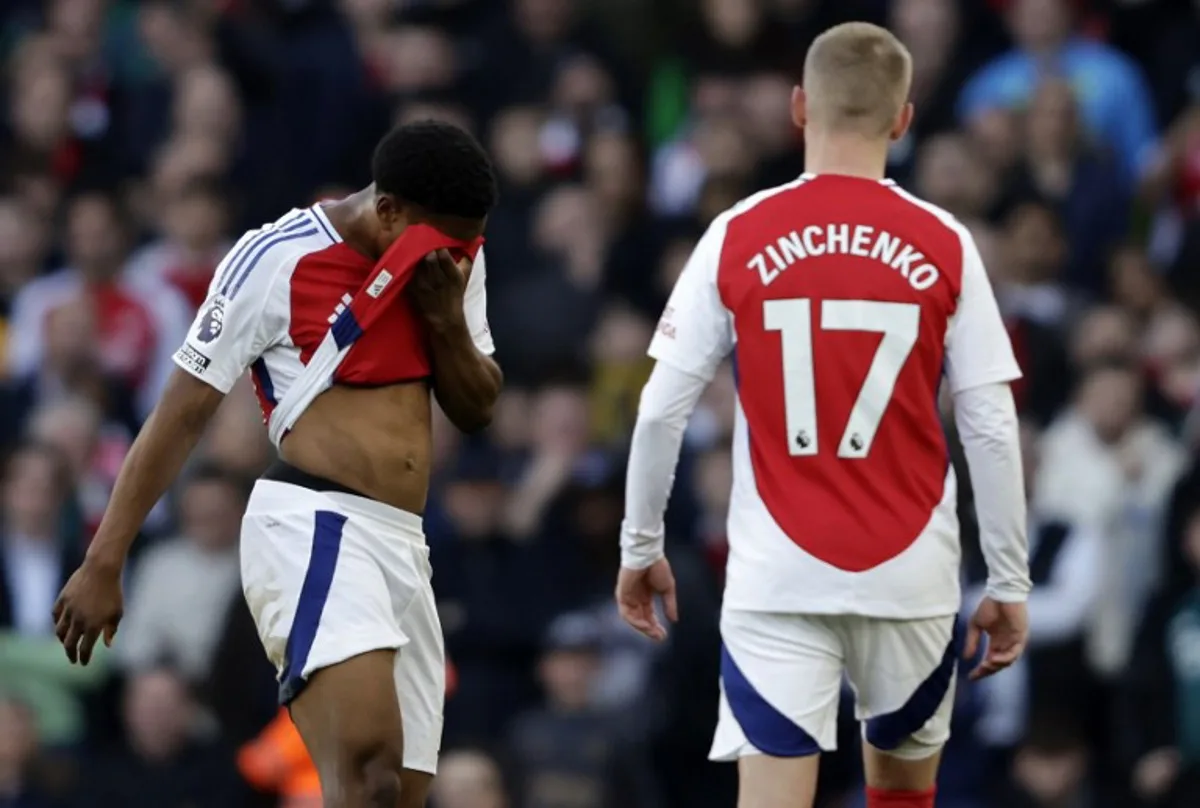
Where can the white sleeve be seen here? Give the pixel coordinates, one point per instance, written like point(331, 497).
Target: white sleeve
point(695, 332)
point(668, 400)
point(978, 350)
point(475, 307)
point(230, 330)
point(986, 418)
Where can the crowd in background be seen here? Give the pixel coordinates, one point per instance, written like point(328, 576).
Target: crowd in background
point(139, 139)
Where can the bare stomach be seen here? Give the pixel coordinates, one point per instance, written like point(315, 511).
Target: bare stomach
point(375, 441)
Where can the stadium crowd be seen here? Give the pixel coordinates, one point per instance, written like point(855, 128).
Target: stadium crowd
point(138, 139)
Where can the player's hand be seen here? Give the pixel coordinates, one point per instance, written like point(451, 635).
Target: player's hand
point(1007, 628)
point(636, 592)
point(438, 286)
point(90, 605)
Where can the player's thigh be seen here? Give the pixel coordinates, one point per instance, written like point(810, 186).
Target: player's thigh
point(420, 682)
point(350, 720)
point(324, 613)
point(772, 782)
point(903, 673)
point(780, 683)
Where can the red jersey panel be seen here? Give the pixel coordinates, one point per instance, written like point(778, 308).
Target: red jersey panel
point(865, 341)
point(844, 302)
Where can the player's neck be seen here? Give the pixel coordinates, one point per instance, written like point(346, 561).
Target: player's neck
point(351, 217)
point(845, 154)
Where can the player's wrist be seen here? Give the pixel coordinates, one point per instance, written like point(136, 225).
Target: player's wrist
point(1007, 592)
point(640, 548)
point(444, 324)
point(102, 559)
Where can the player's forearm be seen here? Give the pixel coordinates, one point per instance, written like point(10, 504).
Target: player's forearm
point(987, 425)
point(465, 381)
point(667, 403)
point(153, 463)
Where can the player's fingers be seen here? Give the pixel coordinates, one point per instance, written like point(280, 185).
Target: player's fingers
point(62, 623)
point(971, 647)
point(86, 644)
point(57, 611)
point(670, 604)
point(632, 614)
point(110, 634)
point(71, 641)
point(984, 669)
point(447, 264)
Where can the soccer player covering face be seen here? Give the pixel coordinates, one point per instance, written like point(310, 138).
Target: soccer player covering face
point(845, 304)
point(347, 315)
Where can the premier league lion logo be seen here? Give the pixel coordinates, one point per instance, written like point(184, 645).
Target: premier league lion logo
point(212, 321)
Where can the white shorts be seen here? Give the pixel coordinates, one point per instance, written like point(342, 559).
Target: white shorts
point(329, 576)
point(781, 678)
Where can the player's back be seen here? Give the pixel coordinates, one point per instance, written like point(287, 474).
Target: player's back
point(844, 295)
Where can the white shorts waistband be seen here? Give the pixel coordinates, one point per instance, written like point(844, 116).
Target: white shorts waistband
point(271, 494)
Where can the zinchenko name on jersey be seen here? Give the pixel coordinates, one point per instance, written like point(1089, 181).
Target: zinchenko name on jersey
point(836, 239)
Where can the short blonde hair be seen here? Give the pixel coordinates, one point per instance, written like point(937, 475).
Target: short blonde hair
point(856, 79)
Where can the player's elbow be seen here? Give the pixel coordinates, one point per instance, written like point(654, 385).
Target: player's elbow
point(475, 420)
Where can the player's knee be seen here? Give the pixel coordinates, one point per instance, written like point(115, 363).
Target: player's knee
point(918, 747)
point(381, 782)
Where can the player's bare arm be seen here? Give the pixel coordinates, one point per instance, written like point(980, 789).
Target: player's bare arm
point(91, 602)
point(465, 380)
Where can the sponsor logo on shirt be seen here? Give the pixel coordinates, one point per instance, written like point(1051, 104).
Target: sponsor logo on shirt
point(341, 307)
point(379, 284)
point(665, 326)
point(192, 359)
point(212, 321)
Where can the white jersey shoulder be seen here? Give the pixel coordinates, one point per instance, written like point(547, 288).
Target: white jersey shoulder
point(978, 349)
point(696, 331)
point(248, 307)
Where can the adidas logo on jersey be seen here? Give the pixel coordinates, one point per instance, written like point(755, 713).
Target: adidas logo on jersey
point(379, 284)
point(341, 307)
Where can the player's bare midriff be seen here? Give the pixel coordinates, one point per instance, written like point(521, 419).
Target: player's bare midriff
point(375, 441)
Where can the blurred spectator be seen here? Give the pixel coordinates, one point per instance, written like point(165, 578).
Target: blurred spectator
point(18, 754)
point(181, 589)
point(621, 368)
point(167, 762)
point(23, 245)
point(469, 779)
point(931, 31)
point(194, 241)
point(1164, 681)
point(1085, 185)
point(567, 752)
point(1051, 768)
point(1116, 104)
point(277, 762)
point(93, 451)
point(37, 556)
point(1107, 467)
point(235, 439)
point(138, 325)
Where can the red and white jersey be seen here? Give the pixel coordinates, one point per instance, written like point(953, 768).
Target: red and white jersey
point(844, 302)
point(276, 294)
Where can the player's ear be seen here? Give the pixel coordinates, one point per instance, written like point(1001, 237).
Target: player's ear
point(799, 111)
point(391, 212)
point(903, 120)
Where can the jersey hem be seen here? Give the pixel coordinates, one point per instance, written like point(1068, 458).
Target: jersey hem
point(879, 611)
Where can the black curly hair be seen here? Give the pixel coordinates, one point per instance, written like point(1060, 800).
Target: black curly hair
point(438, 166)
